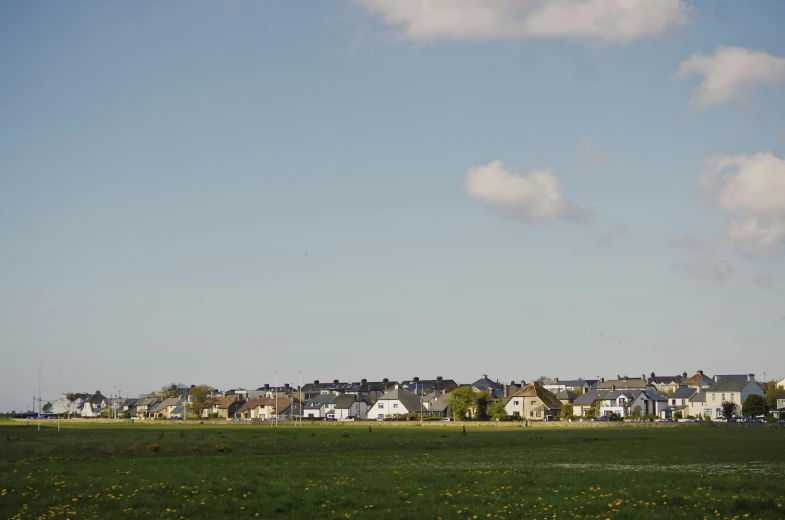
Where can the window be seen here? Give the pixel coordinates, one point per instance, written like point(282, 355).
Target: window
point(534, 402)
point(723, 397)
point(682, 401)
point(516, 412)
point(673, 401)
point(531, 414)
point(515, 403)
point(381, 406)
point(395, 405)
point(713, 397)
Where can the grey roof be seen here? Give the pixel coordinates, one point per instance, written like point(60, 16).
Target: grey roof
point(729, 385)
point(568, 382)
point(439, 404)
point(346, 401)
point(320, 400)
point(408, 399)
point(665, 379)
point(566, 395)
point(700, 397)
point(621, 393)
point(177, 410)
point(172, 401)
point(654, 396)
point(631, 383)
point(487, 383)
point(589, 397)
point(683, 392)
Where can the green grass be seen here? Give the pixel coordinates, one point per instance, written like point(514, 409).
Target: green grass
point(106, 471)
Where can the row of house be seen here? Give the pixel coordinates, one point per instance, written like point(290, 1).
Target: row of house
point(663, 396)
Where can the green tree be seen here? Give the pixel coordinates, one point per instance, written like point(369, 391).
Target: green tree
point(728, 409)
point(753, 406)
point(566, 410)
point(46, 408)
point(498, 412)
point(636, 412)
point(461, 399)
point(172, 390)
point(773, 392)
point(678, 415)
point(578, 392)
point(481, 401)
point(201, 399)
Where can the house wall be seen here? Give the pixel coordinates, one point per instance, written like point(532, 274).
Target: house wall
point(525, 407)
point(357, 409)
point(385, 407)
point(714, 400)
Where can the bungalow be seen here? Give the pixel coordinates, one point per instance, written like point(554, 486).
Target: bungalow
point(534, 402)
point(396, 402)
point(730, 388)
point(94, 405)
point(346, 406)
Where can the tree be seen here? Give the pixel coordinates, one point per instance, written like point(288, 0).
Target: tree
point(542, 378)
point(173, 390)
point(46, 408)
point(578, 392)
point(728, 410)
point(753, 406)
point(678, 415)
point(566, 410)
point(461, 399)
point(636, 412)
point(201, 398)
point(482, 400)
point(773, 392)
point(498, 412)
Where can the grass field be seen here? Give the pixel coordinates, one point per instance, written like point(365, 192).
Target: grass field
point(337, 471)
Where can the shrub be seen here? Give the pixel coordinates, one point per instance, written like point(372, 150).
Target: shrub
point(155, 448)
point(222, 448)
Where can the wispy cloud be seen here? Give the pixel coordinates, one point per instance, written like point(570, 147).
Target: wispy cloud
point(613, 21)
point(730, 73)
point(607, 238)
point(705, 266)
point(536, 197)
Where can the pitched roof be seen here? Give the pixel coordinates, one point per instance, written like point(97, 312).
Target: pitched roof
point(439, 404)
point(409, 400)
point(629, 383)
point(227, 401)
point(250, 404)
point(346, 401)
point(735, 384)
point(547, 397)
point(588, 398)
point(698, 378)
point(567, 382)
point(654, 396)
point(320, 400)
point(699, 397)
point(566, 395)
point(683, 392)
point(487, 383)
point(172, 401)
point(665, 379)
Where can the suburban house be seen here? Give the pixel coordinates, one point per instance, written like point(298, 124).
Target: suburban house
point(624, 383)
point(666, 384)
point(69, 404)
point(583, 403)
point(697, 404)
point(650, 403)
point(262, 408)
point(346, 406)
point(94, 405)
point(679, 400)
point(435, 405)
point(142, 408)
point(534, 402)
point(557, 385)
point(288, 408)
point(123, 406)
point(780, 411)
point(731, 388)
point(311, 390)
point(163, 409)
point(425, 386)
point(699, 381)
point(271, 391)
point(484, 384)
point(617, 402)
point(395, 403)
point(225, 407)
point(319, 406)
point(372, 389)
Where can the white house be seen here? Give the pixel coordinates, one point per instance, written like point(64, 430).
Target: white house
point(319, 406)
point(617, 402)
point(651, 403)
point(345, 406)
point(733, 388)
point(780, 411)
point(679, 400)
point(395, 403)
point(94, 405)
point(69, 404)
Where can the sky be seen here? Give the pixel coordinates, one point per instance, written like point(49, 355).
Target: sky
point(226, 192)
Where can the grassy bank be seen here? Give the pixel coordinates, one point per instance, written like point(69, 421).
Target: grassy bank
point(107, 471)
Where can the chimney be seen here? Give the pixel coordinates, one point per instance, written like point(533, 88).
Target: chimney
point(396, 386)
point(286, 385)
point(618, 376)
point(555, 379)
point(684, 375)
point(613, 388)
point(316, 381)
point(267, 386)
point(385, 380)
point(485, 376)
point(700, 372)
point(750, 377)
point(193, 386)
point(625, 378)
point(335, 381)
point(523, 383)
point(602, 380)
point(652, 375)
point(506, 390)
point(364, 381)
point(416, 379)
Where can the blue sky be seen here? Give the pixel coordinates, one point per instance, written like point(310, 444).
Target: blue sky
point(179, 200)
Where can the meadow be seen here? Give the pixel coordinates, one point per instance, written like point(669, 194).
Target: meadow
point(343, 471)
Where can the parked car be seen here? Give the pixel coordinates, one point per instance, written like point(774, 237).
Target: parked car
point(380, 419)
point(447, 419)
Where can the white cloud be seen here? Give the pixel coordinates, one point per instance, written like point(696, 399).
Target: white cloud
point(609, 237)
point(705, 266)
point(751, 190)
point(766, 281)
point(730, 73)
point(604, 20)
point(589, 154)
point(535, 197)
